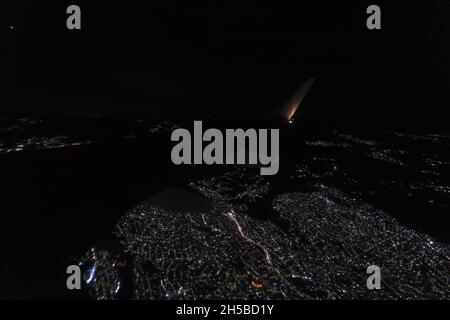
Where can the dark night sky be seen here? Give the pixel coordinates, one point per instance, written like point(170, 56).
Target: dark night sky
point(169, 59)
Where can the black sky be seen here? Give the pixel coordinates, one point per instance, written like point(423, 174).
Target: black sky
point(172, 58)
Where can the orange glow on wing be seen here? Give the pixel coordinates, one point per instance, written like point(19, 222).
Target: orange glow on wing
point(293, 104)
point(256, 284)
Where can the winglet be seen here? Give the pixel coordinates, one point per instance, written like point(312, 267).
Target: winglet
point(290, 107)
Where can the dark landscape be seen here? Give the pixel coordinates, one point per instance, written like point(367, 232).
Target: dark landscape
point(74, 184)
